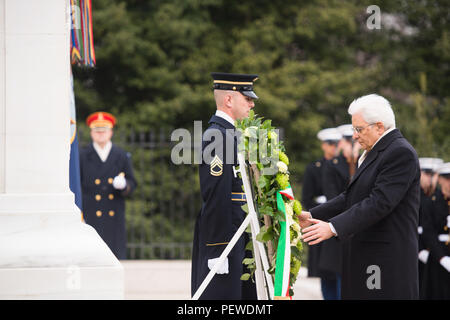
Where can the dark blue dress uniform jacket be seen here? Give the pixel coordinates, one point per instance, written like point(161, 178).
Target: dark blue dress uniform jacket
point(103, 205)
point(421, 265)
point(376, 218)
point(434, 222)
point(335, 179)
point(312, 188)
point(218, 221)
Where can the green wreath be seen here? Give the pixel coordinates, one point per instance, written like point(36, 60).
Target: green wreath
point(269, 168)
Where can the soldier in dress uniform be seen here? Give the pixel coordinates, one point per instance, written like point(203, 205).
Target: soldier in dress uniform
point(428, 180)
point(313, 195)
point(436, 238)
point(336, 175)
point(106, 179)
point(339, 170)
point(222, 195)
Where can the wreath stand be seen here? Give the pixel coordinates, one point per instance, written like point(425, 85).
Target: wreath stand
point(264, 282)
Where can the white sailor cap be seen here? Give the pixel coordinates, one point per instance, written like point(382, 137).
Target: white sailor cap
point(346, 130)
point(430, 164)
point(329, 134)
point(444, 169)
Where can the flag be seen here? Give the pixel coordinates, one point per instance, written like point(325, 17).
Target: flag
point(283, 262)
point(288, 193)
point(81, 53)
point(82, 39)
point(74, 162)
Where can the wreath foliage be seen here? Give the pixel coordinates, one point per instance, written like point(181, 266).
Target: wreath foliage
point(269, 168)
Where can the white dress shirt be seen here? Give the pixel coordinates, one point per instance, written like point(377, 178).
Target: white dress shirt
point(225, 116)
point(103, 153)
point(360, 161)
point(364, 155)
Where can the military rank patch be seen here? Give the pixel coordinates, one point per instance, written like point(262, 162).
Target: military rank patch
point(216, 167)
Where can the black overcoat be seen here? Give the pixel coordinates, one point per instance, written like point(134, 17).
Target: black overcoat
point(103, 205)
point(376, 217)
point(219, 219)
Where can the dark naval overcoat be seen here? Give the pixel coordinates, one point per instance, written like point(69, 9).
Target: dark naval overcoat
point(103, 205)
point(312, 189)
point(335, 179)
point(436, 233)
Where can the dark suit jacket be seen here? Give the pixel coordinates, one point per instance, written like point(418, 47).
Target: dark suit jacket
point(376, 217)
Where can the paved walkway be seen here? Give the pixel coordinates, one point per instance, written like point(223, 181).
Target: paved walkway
point(171, 280)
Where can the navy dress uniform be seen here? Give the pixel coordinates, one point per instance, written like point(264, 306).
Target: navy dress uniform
point(335, 178)
point(428, 166)
point(337, 173)
point(436, 238)
point(221, 213)
point(313, 195)
point(103, 204)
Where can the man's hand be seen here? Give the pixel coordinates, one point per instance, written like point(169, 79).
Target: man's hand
point(303, 219)
point(318, 232)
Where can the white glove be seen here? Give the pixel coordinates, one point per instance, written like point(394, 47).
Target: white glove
point(445, 262)
point(223, 269)
point(119, 182)
point(320, 199)
point(423, 255)
point(419, 229)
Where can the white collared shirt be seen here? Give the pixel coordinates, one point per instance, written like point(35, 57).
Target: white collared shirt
point(225, 116)
point(364, 155)
point(103, 153)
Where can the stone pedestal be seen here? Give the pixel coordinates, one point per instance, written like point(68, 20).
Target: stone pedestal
point(46, 252)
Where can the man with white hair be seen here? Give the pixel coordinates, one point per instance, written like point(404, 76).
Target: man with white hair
point(376, 217)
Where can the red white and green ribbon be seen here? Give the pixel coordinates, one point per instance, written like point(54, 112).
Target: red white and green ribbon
point(288, 193)
point(282, 266)
point(82, 39)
